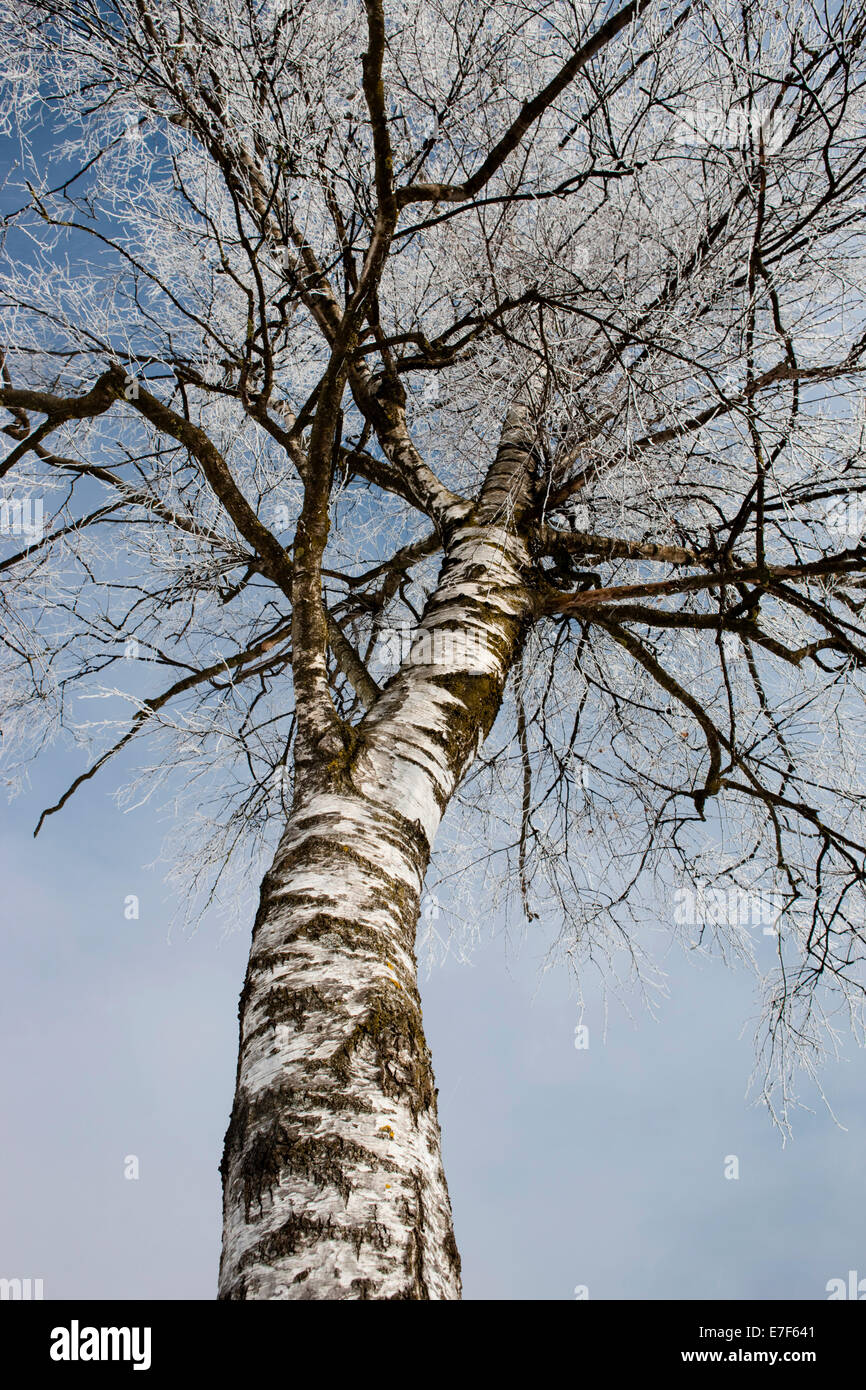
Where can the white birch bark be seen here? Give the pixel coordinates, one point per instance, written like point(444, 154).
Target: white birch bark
point(333, 1178)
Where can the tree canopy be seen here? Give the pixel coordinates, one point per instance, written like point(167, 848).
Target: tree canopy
point(276, 279)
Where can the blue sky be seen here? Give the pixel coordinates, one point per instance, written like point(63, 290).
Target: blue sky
point(601, 1167)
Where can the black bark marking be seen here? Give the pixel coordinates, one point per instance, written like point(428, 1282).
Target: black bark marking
point(391, 1030)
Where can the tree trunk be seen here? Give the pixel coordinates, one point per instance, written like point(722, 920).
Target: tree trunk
point(333, 1177)
point(332, 1172)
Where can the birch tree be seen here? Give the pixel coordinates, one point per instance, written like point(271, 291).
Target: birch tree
point(429, 406)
